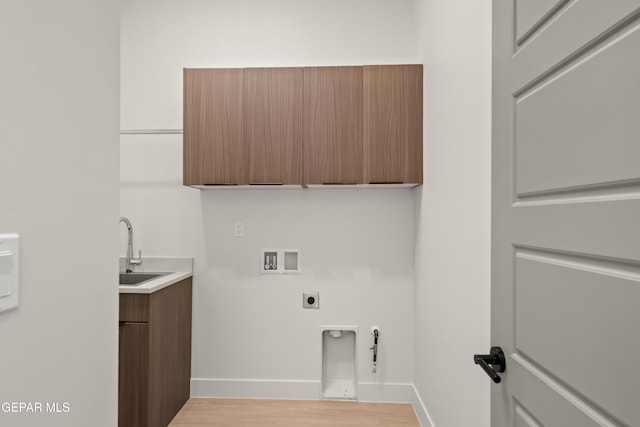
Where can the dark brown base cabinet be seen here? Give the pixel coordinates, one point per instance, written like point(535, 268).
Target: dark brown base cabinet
point(155, 355)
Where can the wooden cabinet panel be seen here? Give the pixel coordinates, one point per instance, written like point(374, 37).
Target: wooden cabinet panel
point(392, 123)
point(133, 386)
point(134, 308)
point(315, 125)
point(272, 122)
point(155, 356)
point(170, 347)
point(333, 125)
point(213, 152)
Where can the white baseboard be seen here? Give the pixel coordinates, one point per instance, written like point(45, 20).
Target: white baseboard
point(294, 389)
point(385, 392)
point(255, 389)
point(421, 410)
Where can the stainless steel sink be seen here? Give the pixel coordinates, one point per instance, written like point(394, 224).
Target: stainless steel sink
point(137, 279)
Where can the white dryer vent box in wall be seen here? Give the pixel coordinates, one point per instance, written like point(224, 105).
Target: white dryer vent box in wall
point(9, 266)
point(280, 261)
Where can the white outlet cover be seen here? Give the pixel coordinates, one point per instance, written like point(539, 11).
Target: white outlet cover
point(9, 268)
point(238, 229)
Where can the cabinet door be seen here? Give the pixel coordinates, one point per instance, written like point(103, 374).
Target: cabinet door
point(333, 125)
point(392, 128)
point(213, 152)
point(170, 351)
point(273, 124)
point(133, 377)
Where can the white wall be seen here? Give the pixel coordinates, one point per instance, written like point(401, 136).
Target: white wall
point(452, 258)
point(59, 188)
point(357, 246)
point(160, 37)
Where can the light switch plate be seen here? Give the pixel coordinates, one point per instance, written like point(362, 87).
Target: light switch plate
point(9, 268)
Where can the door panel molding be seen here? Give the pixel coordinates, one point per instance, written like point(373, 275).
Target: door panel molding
point(566, 39)
point(599, 192)
point(575, 321)
point(532, 17)
point(524, 418)
point(591, 135)
point(554, 403)
point(582, 262)
point(603, 229)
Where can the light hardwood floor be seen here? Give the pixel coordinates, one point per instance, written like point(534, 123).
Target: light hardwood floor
point(292, 413)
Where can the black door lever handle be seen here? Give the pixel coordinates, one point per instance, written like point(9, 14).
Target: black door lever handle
point(495, 359)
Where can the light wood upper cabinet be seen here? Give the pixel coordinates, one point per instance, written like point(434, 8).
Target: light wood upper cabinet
point(299, 126)
point(272, 121)
point(213, 150)
point(392, 123)
point(333, 125)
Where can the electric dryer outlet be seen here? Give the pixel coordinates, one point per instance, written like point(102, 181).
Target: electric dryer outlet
point(311, 299)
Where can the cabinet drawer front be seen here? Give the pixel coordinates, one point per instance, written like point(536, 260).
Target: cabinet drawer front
point(134, 308)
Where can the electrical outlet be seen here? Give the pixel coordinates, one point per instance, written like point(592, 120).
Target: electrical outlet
point(238, 229)
point(311, 299)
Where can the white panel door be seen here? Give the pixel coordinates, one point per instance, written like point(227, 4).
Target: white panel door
point(566, 212)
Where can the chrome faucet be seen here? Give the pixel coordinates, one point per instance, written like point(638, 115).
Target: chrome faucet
point(130, 261)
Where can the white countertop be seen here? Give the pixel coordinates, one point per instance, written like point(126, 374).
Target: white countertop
point(179, 269)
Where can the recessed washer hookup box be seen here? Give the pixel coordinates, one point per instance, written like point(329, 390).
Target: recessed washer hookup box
point(9, 267)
